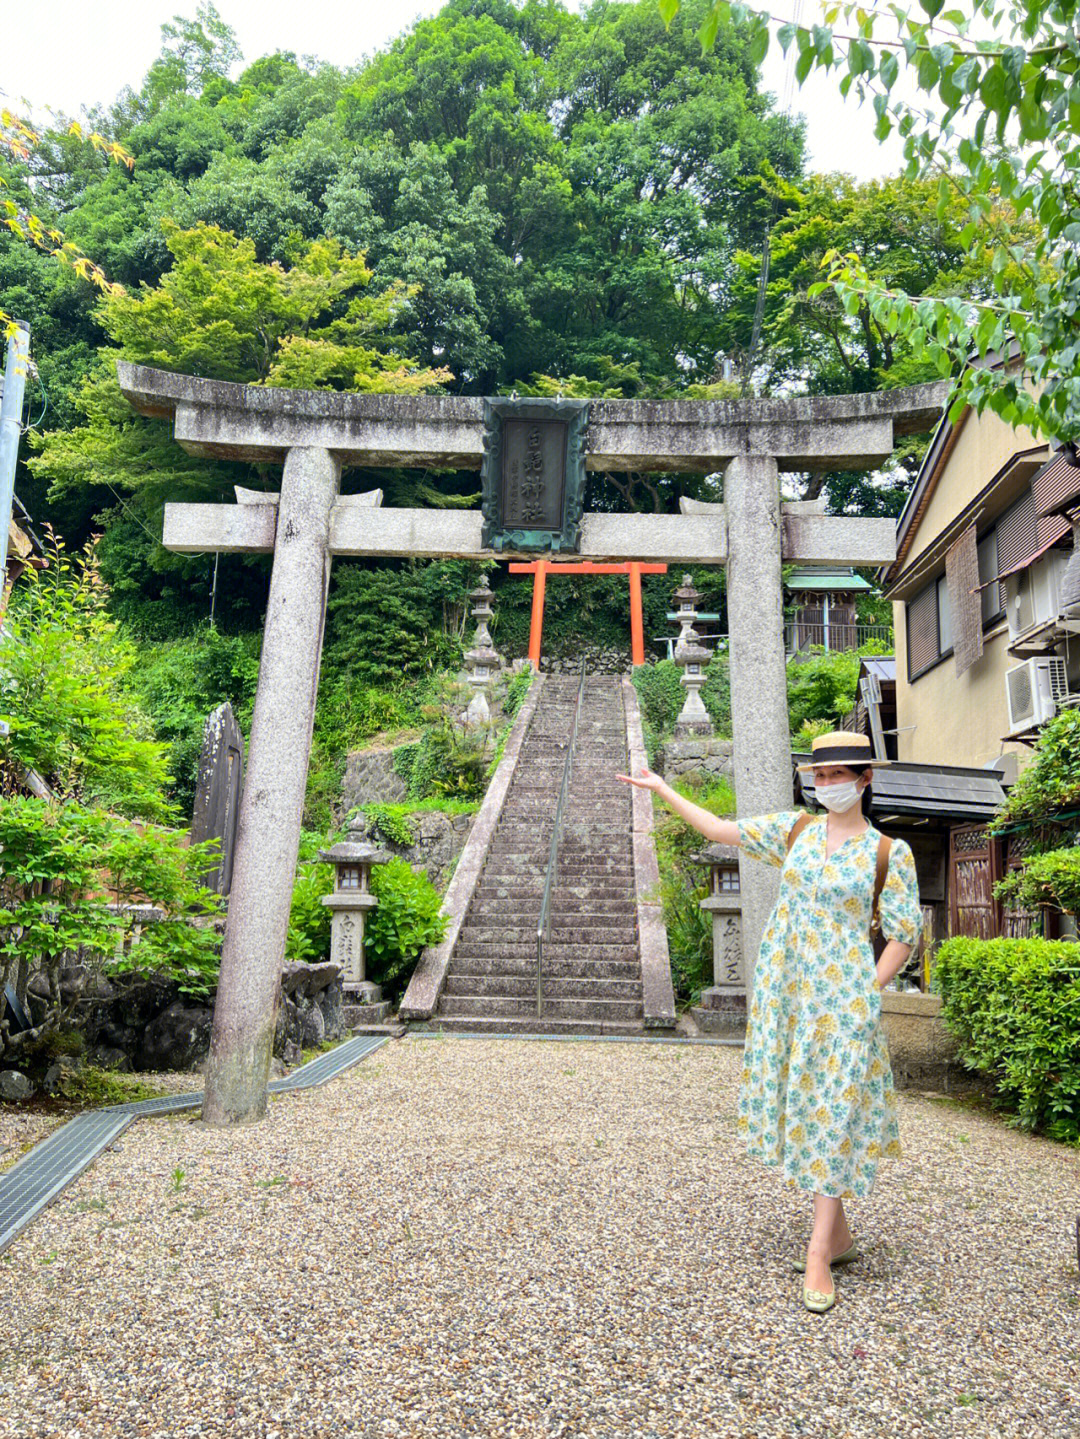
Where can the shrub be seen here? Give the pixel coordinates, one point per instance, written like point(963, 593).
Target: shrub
point(67, 693)
point(1050, 878)
point(63, 865)
point(405, 922)
point(683, 883)
point(396, 618)
point(178, 684)
point(1052, 781)
point(446, 762)
point(391, 822)
point(660, 695)
point(1014, 1007)
point(823, 687)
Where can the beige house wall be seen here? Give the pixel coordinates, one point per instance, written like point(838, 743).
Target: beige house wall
point(957, 719)
point(942, 717)
point(984, 445)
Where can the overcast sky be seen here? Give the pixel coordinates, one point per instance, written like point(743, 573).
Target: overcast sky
point(70, 55)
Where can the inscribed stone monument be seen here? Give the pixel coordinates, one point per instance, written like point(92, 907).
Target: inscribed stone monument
point(217, 792)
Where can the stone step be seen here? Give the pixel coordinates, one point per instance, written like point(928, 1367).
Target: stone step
point(526, 949)
point(492, 1006)
point(594, 969)
point(516, 1024)
point(521, 861)
point(476, 934)
point(598, 895)
point(500, 915)
point(555, 987)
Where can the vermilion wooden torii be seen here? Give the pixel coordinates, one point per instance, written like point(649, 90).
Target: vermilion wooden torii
point(540, 569)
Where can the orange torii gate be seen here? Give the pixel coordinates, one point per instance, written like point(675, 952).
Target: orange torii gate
point(540, 569)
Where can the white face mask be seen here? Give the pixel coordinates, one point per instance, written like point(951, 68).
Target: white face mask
point(839, 797)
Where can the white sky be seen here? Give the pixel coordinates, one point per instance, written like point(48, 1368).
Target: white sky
point(70, 55)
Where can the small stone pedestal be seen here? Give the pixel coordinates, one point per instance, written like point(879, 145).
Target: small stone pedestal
point(349, 903)
point(722, 1008)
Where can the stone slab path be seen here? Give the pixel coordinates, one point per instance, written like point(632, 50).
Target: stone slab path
point(480, 1237)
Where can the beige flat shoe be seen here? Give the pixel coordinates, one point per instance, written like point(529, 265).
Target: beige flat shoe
point(818, 1302)
point(849, 1256)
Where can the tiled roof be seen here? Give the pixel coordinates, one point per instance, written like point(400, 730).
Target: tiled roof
point(943, 791)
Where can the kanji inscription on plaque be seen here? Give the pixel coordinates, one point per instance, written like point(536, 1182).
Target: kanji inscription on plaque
point(533, 474)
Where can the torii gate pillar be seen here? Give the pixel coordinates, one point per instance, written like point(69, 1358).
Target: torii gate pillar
point(268, 833)
point(761, 740)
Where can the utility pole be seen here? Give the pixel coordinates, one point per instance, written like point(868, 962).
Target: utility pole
point(11, 408)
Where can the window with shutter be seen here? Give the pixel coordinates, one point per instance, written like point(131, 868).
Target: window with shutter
point(1018, 536)
point(922, 631)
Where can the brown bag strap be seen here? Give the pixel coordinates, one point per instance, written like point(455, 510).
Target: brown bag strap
point(797, 829)
point(883, 848)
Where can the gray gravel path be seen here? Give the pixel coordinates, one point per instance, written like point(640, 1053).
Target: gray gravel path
point(506, 1238)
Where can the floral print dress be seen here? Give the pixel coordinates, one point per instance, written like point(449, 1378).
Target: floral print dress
point(817, 1091)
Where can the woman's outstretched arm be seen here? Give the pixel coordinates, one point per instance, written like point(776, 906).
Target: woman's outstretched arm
point(721, 831)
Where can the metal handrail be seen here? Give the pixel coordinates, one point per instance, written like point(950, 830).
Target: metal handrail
point(553, 853)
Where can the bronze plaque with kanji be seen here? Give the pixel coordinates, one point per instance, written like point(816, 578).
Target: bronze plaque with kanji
point(533, 474)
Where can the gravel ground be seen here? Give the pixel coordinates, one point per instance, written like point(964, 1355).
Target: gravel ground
point(22, 1126)
point(512, 1238)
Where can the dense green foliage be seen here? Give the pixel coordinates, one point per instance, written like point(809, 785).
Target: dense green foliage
point(178, 683)
point(66, 868)
point(1051, 783)
point(823, 687)
point(1013, 1004)
point(514, 195)
point(683, 884)
point(985, 101)
point(661, 695)
point(1051, 877)
point(67, 693)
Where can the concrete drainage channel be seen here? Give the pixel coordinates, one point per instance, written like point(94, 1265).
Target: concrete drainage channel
point(39, 1176)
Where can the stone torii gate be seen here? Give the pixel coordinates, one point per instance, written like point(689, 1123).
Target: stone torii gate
point(317, 434)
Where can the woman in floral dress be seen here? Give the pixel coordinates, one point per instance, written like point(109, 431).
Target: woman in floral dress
point(817, 1094)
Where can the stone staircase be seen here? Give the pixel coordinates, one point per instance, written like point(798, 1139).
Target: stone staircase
point(592, 966)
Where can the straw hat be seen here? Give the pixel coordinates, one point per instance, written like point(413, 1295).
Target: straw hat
point(842, 747)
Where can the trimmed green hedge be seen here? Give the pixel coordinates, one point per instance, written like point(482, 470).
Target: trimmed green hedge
point(1014, 1007)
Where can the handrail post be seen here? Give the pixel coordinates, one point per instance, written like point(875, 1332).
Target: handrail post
point(541, 925)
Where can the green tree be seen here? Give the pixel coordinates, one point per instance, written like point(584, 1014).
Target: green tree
point(995, 123)
point(67, 696)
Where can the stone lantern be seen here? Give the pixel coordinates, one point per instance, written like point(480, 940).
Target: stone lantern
point(349, 903)
point(693, 657)
point(723, 1004)
point(483, 660)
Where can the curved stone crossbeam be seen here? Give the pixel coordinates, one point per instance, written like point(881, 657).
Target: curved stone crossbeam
point(803, 433)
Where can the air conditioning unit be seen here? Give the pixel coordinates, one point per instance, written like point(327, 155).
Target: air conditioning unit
point(1034, 690)
point(1033, 596)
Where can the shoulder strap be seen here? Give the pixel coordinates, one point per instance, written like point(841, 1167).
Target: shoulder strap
point(883, 848)
point(797, 829)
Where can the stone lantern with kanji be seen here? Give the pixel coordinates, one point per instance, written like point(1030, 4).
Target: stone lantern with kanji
point(722, 1005)
point(693, 657)
point(349, 903)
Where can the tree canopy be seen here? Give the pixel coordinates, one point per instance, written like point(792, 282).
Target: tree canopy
point(995, 122)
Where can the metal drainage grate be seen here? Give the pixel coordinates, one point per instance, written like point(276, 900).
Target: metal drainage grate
point(37, 1178)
